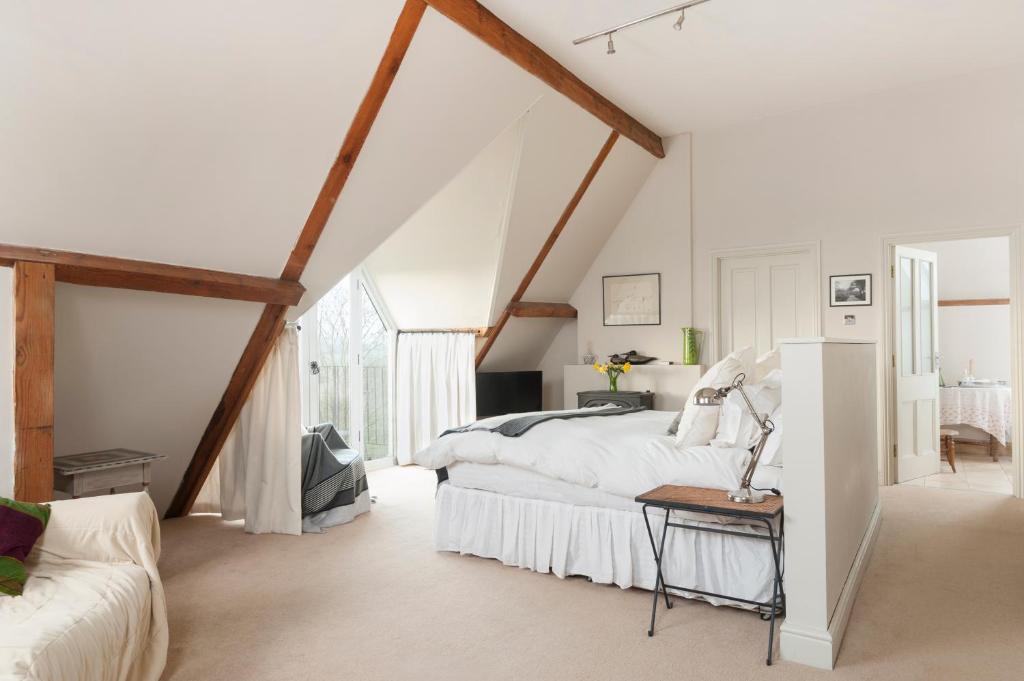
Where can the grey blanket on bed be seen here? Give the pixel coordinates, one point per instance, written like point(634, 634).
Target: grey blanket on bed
point(517, 426)
point(332, 474)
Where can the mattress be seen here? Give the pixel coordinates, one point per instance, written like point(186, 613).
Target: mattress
point(520, 482)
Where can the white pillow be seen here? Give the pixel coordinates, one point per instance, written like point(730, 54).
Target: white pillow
point(771, 455)
point(699, 424)
point(767, 363)
point(736, 426)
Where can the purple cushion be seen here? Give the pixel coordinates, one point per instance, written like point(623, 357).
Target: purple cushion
point(21, 525)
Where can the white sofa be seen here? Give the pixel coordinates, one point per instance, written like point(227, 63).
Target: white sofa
point(93, 607)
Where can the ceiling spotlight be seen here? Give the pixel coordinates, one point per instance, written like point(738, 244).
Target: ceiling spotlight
point(679, 22)
point(611, 44)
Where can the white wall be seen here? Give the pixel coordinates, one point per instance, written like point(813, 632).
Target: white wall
point(653, 236)
point(939, 156)
point(561, 351)
point(142, 371)
point(969, 269)
point(6, 382)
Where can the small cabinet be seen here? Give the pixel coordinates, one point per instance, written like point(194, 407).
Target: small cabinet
point(623, 398)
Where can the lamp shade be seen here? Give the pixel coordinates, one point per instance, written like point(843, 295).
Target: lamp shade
point(708, 397)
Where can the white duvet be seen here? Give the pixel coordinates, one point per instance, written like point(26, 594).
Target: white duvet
point(625, 455)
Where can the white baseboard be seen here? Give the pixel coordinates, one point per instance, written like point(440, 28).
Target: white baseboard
point(820, 647)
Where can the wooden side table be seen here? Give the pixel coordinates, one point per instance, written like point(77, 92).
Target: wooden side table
point(78, 474)
point(715, 502)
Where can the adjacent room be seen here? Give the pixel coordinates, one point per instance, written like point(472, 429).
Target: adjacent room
point(964, 329)
point(512, 340)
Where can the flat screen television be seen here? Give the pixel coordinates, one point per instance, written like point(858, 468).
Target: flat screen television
point(507, 392)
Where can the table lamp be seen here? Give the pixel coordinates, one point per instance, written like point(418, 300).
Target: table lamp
point(712, 397)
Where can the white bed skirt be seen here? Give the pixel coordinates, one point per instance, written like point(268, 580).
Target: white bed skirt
point(610, 546)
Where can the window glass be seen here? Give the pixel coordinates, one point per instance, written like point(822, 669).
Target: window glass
point(906, 316)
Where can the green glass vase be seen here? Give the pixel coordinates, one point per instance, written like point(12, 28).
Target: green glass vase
point(692, 342)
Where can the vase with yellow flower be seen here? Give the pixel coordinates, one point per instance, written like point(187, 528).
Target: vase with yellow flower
point(613, 371)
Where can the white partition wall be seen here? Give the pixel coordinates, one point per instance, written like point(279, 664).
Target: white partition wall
point(830, 443)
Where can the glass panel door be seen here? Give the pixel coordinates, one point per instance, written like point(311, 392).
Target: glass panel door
point(332, 351)
point(348, 345)
point(374, 359)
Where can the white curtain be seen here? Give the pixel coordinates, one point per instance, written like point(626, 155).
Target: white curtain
point(260, 467)
point(435, 388)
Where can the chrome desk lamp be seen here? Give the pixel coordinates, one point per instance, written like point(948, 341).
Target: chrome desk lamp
point(712, 397)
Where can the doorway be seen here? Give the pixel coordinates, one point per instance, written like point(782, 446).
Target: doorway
point(951, 400)
point(348, 355)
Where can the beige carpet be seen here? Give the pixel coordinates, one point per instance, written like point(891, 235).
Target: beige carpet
point(942, 599)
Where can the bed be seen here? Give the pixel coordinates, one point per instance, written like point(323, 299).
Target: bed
point(559, 499)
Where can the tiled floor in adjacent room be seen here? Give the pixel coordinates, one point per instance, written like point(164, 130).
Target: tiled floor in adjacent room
point(976, 471)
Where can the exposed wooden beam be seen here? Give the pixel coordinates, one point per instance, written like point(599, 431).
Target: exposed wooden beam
point(529, 309)
point(255, 355)
point(974, 301)
point(33, 381)
point(359, 130)
point(492, 336)
point(479, 21)
point(140, 275)
point(549, 243)
point(271, 322)
point(563, 219)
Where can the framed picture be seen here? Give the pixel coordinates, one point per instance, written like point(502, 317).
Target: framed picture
point(849, 289)
point(632, 299)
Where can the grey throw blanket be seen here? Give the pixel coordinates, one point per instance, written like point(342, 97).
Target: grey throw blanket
point(332, 474)
point(517, 426)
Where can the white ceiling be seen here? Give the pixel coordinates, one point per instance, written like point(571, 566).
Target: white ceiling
point(738, 60)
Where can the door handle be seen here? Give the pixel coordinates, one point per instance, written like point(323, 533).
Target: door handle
point(314, 367)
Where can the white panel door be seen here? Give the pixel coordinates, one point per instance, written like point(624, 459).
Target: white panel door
point(766, 297)
point(915, 308)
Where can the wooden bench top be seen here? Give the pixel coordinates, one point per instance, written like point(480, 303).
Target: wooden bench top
point(705, 500)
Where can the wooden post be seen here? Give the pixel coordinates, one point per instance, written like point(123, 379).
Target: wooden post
point(33, 381)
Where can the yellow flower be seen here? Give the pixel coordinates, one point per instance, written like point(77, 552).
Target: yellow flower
point(603, 368)
point(626, 367)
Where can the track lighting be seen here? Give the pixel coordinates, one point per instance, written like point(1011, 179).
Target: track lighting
point(677, 24)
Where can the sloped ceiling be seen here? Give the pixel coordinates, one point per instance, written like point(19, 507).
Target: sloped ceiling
point(741, 60)
point(452, 97)
point(200, 135)
point(438, 269)
point(560, 145)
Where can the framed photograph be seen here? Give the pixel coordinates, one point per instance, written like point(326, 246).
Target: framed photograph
point(632, 299)
point(849, 289)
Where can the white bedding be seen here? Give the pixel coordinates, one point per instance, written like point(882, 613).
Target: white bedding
point(519, 482)
point(623, 455)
